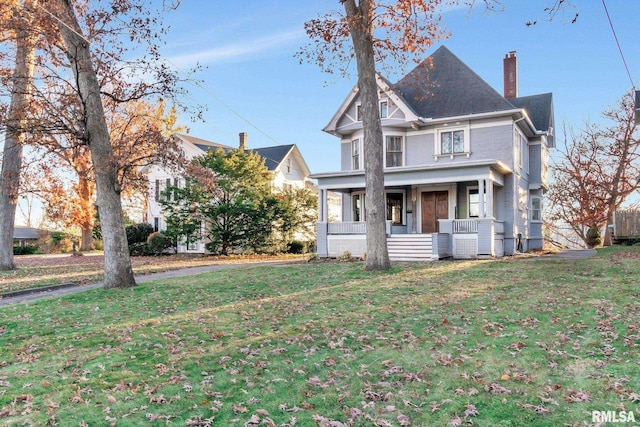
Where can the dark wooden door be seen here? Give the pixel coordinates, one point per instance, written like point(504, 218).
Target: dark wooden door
point(435, 206)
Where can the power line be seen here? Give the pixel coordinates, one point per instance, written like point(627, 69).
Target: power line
point(624, 61)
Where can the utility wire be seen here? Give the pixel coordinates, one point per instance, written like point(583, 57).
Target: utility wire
point(197, 83)
point(63, 23)
point(618, 43)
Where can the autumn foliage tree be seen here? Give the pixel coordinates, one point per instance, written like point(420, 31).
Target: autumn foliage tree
point(597, 170)
point(96, 50)
point(384, 33)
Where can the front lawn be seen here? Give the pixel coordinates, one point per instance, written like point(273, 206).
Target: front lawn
point(534, 342)
point(34, 271)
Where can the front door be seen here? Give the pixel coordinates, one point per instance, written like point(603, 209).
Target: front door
point(435, 206)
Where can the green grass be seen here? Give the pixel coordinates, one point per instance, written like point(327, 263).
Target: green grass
point(489, 343)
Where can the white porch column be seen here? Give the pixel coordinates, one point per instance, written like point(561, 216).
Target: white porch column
point(322, 197)
point(489, 198)
point(481, 211)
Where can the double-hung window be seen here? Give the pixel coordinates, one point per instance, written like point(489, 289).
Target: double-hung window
point(355, 154)
point(452, 142)
point(394, 151)
point(536, 209)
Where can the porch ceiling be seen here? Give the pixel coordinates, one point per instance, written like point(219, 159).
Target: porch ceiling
point(419, 175)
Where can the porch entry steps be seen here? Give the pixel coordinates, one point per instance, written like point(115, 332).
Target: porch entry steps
point(410, 247)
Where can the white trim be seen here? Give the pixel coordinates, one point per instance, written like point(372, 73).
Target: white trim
point(531, 209)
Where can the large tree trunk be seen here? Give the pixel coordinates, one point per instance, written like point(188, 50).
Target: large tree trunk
point(360, 29)
point(117, 263)
point(14, 137)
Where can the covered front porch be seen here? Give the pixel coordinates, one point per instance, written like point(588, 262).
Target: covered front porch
point(432, 213)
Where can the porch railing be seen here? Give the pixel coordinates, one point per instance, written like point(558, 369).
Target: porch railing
point(347, 228)
point(465, 226)
point(352, 227)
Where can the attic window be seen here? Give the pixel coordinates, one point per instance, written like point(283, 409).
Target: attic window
point(384, 109)
point(359, 112)
point(288, 165)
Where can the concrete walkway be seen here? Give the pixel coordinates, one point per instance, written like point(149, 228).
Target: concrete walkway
point(59, 290)
point(573, 254)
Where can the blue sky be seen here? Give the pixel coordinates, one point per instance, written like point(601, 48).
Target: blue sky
point(248, 50)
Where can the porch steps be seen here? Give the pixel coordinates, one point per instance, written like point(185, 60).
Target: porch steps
point(410, 247)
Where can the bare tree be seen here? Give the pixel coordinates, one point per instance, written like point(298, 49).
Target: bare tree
point(598, 169)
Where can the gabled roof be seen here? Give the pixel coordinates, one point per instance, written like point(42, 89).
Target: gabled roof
point(202, 144)
point(273, 156)
point(444, 86)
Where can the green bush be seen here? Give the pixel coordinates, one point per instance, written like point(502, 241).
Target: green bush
point(139, 249)
point(25, 250)
point(158, 243)
point(593, 237)
point(138, 233)
point(298, 247)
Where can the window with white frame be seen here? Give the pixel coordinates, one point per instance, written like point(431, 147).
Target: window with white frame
point(359, 112)
point(384, 109)
point(536, 209)
point(395, 205)
point(394, 151)
point(355, 154)
point(473, 200)
point(451, 142)
point(357, 202)
point(288, 165)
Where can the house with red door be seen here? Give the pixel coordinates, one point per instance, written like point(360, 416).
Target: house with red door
point(465, 167)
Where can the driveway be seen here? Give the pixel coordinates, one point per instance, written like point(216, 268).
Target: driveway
point(59, 290)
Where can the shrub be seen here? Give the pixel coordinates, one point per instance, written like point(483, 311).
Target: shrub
point(298, 247)
point(158, 243)
point(593, 237)
point(138, 249)
point(98, 245)
point(25, 250)
point(138, 233)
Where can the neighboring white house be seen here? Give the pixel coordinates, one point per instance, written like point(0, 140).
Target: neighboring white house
point(465, 167)
point(285, 162)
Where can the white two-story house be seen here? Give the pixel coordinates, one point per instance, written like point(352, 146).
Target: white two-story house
point(465, 167)
point(285, 163)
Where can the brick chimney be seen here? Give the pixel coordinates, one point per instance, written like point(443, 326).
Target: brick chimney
point(510, 63)
point(244, 137)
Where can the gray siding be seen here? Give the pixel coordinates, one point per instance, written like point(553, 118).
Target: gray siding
point(419, 149)
point(345, 155)
point(346, 207)
point(492, 143)
point(535, 167)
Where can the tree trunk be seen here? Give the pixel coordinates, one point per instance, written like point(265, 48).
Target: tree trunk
point(117, 263)
point(359, 26)
point(14, 138)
